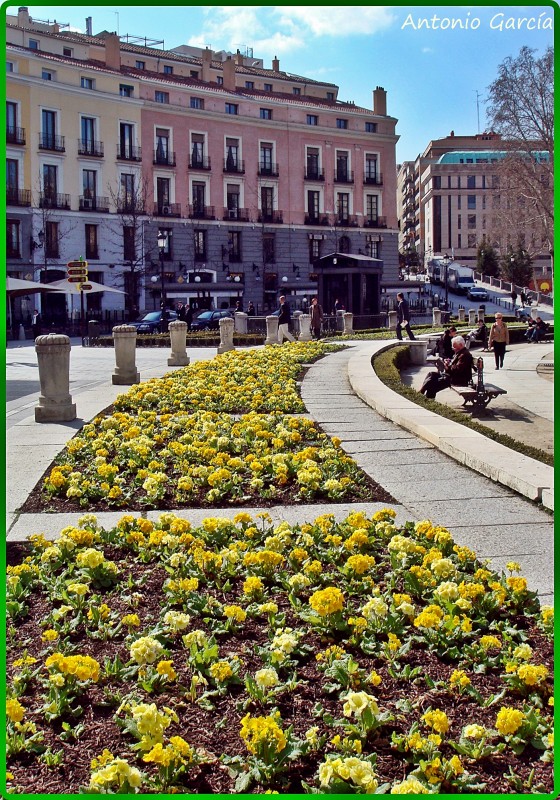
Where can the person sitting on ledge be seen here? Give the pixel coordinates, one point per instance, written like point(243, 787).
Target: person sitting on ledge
point(452, 372)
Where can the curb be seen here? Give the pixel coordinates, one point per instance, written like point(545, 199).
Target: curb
point(523, 474)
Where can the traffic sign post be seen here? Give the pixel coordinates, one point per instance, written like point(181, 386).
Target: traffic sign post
point(77, 272)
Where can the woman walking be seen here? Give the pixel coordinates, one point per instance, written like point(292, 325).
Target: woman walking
point(498, 339)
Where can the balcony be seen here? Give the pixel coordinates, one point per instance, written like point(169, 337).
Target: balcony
point(54, 200)
point(267, 168)
point(375, 222)
point(234, 165)
point(18, 197)
point(128, 152)
point(15, 135)
point(89, 147)
point(346, 221)
point(167, 209)
point(373, 179)
point(199, 162)
point(130, 205)
point(201, 212)
point(94, 203)
point(239, 214)
point(164, 158)
point(48, 141)
point(314, 174)
point(275, 217)
point(344, 176)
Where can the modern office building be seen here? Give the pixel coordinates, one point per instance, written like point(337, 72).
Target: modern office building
point(250, 173)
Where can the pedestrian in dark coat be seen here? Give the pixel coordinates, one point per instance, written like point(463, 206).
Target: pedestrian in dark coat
point(403, 317)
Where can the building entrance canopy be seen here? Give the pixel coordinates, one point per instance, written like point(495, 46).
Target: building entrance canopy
point(352, 279)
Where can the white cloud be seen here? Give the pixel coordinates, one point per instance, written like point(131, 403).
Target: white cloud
point(428, 50)
point(337, 20)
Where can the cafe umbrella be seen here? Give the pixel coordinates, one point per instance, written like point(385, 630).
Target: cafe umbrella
point(76, 289)
point(16, 287)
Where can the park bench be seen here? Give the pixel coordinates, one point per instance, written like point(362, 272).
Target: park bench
point(478, 394)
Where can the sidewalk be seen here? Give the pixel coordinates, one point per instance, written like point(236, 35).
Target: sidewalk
point(481, 514)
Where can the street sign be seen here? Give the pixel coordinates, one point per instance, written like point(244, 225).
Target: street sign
point(85, 287)
point(75, 278)
point(80, 264)
point(76, 271)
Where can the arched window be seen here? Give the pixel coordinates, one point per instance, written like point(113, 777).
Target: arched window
point(344, 244)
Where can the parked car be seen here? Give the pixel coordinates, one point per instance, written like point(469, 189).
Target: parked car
point(209, 320)
point(151, 322)
point(477, 293)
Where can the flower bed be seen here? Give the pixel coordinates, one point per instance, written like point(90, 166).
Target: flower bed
point(196, 438)
point(351, 657)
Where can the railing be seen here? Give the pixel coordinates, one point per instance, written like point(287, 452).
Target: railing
point(275, 217)
point(167, 209)
point(375, 222)
point(89, 147)
point(128, 152)
point(201, 212)
point(347, 221)
point(15, 135)
point(234, 165)
point(130, 206)
point(199, 162)
point(18, 197)
point(164, 159)
point(94, 203)
point(54, 200)
point(267, 168)
point(314, 174)
point(48, 141)
point(239, 214)
point(344, 176)
point(373, 180)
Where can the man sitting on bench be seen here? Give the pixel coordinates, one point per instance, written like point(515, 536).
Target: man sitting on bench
point(453, 372)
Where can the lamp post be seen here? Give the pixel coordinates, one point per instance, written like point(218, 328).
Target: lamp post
point(446, 260)
point(162, 243)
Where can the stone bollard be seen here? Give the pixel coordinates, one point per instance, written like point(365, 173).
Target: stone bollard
point(436, 317)
point(178, 336)
point(124, 339)
point(240, 322)
point(392, 320)
point(348, 320)
point(418, 351)
point(53, 356)
point(226, 335)
point(305, 328)
point(296, 323)
point(21, 333)
point(481, 313)
point(271, 330)
point(534, 313)
point(461, 312)
point(472, 316)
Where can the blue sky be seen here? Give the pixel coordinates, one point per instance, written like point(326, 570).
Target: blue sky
point(431, 71)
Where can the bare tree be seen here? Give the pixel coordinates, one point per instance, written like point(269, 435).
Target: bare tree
point(521, 109)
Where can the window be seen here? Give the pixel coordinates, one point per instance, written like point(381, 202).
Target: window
point(67, 51)
point(471, 202)
point(92, 249)
point(232, 200)
point(296, 90)
point(52, 239)
point(231, 108)
point(249, 84)
point(266, 113)
point(163, 187)
point(371, 168)
point(129, 243)
point(128, 192)
point(12, 180)
point(89, 184)
point(12, 239)
point(126, 141)
point(330, 95)
point(344, 244)
point(266, 165)
point(471, 240)
point(125, 90)
point(483, 202)
point(342, 173)
point(140, 65)
point(200, 245)
point(437, 182)
point(267, 202)
point(9, 66)
point(312, 165)
point(167, 69)
point(220, 80)
point(197, 151)
point(372, 205)
point(197, 102)
point(313, 205)
point(11, 120)
point(342, 206)
point(199, 198)
point(459, 201)
point(47, 75)
point(234, 245)
point(459, 239)
point(341, 123)
point(314, 250)
point(194, 73)
point(161, 97)
point(87, 130)
point(372, 248)
point(371, 127)
point(471, 221)
point(471, 181)
point(312, 119)
point(87, 83)
point(162, 146)
point(268, 242)
point(268, 87)
point(33, 44)
point(458, 181)
point(232, 155)
point(50, 181)
point(459, 221)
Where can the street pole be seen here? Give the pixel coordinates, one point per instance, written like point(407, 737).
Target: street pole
point(446, 267)
point(162, 241)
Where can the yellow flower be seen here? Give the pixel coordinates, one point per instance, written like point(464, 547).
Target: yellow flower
point(14, 710)
point(165, 668)
point(131, 620)
point(50, 635)
point(490, 643)
point(146, 650)
point(327, 601)
point(409, 786)
point(360, 564)
point(260, 733)
point(532, 674)
point(474, 732)
point(253, 586)
point(235, 613)
point(517, 584)
point(509, 720)
point(459, 679)
point(437, 720)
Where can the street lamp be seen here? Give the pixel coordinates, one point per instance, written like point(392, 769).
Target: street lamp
point(446, 261)
point(162, 240)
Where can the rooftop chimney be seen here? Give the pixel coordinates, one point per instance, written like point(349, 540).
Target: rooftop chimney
point(23, 17)
point(113, 51)
point(275, 64)
point(89, 28)
point(206, 63)
point(239, 59)
point(229, 74)
point(380, 101)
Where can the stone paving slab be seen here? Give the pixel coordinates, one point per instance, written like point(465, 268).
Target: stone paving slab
point(409, 443)
point(507, 540)
point(453, 512)
point(452, 489)
point(394, 458)
point(375, 435)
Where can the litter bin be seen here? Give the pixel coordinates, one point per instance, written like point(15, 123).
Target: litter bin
point(445, 317)
point(94, 330)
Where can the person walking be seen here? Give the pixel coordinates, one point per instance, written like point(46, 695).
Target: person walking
point(403, 318)
point(251, 310)
point(498, 339)
point(523, 298)
point(513, 298)
point(36, 324)
point(188, 317)
point(316, 312)
point(284, 316)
